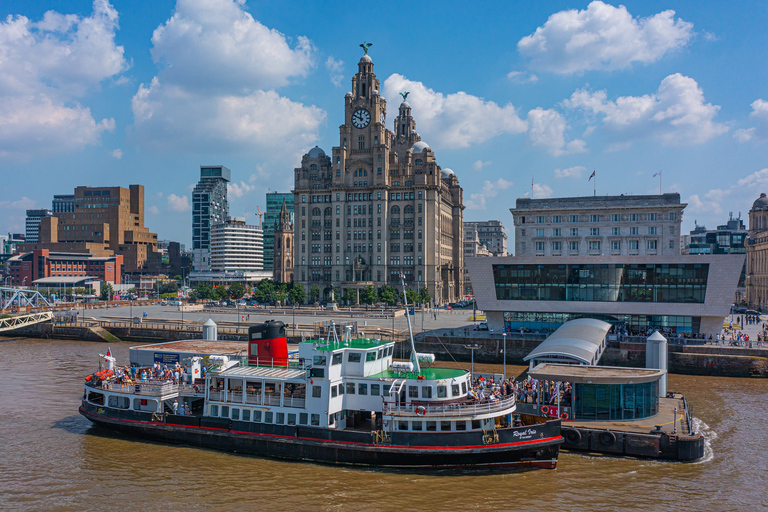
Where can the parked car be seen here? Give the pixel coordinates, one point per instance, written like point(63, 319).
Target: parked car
point(483, 326)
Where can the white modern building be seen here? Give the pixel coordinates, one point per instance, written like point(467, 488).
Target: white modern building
point(236, 247)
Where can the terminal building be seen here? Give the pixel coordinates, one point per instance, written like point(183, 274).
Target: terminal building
point(672, 294)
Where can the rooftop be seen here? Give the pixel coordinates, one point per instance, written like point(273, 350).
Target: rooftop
point(595, 374)
point(525, 203)
point(224, 348)
point(580, 339)
point(357, 343)
point(262, 372)
point(427, 373)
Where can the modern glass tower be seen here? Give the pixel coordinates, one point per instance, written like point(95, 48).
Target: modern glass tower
point(209, 208)
point(271, 217)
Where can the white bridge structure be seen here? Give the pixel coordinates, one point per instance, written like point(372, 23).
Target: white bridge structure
point(16, 322)
point(22, 297)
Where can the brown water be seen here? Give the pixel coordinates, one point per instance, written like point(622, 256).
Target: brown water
point(54, 459)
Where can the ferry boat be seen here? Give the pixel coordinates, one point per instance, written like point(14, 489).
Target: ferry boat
point(344, 401)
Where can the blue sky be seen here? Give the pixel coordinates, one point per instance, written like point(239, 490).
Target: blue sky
point(104, 94)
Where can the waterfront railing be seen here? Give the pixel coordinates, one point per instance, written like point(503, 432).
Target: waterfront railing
point(451, 410)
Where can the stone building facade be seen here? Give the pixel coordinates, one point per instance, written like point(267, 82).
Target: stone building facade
point(757, 255)
point(491, 234)
point(378, 206)
point(283, 246)
point(647, 225)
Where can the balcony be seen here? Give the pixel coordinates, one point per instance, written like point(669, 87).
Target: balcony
point(471, 409)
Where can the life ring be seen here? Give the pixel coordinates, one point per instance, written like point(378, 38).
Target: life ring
point(572, 436)
point(607, 438)
point(564, 416)
point(544, 410)
point(421, 410)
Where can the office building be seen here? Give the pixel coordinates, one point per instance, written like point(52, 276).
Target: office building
point(236, 247)
point(622, 225)
point(283, 247)
point(33, 223)
point(209, 208)
point(378, 206)
point(42, 267)
point(757, 255)
point(107, 221)
point(63, 203)
point(730, 238)
point(491, 234)
point(275, 201)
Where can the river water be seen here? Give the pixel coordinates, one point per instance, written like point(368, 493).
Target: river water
point(54, 460)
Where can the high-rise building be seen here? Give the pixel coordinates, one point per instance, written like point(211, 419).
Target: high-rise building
point(106, 221)
point(209, 208)
point(33, 223)
point(491, 234)
point(63, 203)
point(283, 247)
point(598, 225)
point(275, 201)
point(379, 206)
point(236, 247)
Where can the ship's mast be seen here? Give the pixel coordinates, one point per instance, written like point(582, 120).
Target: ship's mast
point(414, 359)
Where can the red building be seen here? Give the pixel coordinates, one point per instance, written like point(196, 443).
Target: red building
point(29, 267)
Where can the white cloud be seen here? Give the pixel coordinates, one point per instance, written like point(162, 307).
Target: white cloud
point(454, 120)
point(541, 191)
point(570, 172)
point(260, 174)
point(238, 191)
point(230, 107)
point(490, 190)
point(178, 203)
point(676, 114)
point(336, 70)
point(479, 164)
point(756, 178)
point(546, 129)
point(602, 37)
point(45, 67)
point(24, 203)
point(154, 210)
point(117, 153)
point(716, 200)
point(758, 133)
point(522, 77)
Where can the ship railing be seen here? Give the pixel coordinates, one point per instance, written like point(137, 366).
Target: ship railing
point(145, 388)
point(272, 400)
point(253, 399)
point(189, 389)
point(290, 401)
point(453, 410)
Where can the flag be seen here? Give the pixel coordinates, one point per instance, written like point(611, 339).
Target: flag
point(657, 174)
point(591, 176)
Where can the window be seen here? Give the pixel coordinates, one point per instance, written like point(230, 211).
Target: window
point(375, 389)
point(556, 232)
point(341, 389)
point(317, 392)
point(539, 232)
point(594, 245)
point(370, 356)
point(279, 418)
point(257, 416)
point(350, 388)
point(354, 357)
point(540, 246)
point(616, 246)
point(315, 418)
point(416, 425)
point(556, 246)
point(522, 246)
point(633, 231)
point(303, 418)
point(319, 361)
point(594, 231)
point(557, 219)
point(616, 231)
point(651, 230)
point(426, 392)
point(540, 219)
point(442, 392)
point(573, 246)
point(574, 231)
point(652, 245)
point(522, 232)
point(651, 216)
point(413, 392)
point(594, 218)
point(246, 415)
point(362, 389)
point(574, 218)
point(633, 217)
point(671, 244)
point(455, 390)
point(337, 356)
point(235, 413)
point(334, 392)
point(268, 417)
point(616, 217)
point(633, 244)
point(291, 419)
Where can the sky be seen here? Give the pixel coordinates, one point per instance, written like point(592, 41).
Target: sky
point(519, 99)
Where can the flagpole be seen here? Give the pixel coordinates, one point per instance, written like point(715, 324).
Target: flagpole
point(659, 182)
point(531, 187)
point(594, 185)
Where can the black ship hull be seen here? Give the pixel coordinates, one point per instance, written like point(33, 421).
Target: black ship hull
point(533, 446)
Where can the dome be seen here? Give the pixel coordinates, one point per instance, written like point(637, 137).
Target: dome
point(447, 173)
point(316, 152)
point(761, 202)
point(405, 104)
point(420, 147)
point(365, 58)
point(349, 95)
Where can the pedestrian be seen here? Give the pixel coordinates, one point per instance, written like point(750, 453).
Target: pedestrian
point(175, 407)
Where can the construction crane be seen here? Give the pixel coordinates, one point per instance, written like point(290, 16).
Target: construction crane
point(260, 214)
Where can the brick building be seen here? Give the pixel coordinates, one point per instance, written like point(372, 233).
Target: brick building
point(27, 268)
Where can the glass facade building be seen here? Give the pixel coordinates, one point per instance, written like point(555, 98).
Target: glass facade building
point(608, 282)
point(209, 208)
point(543, 322)
point(271, 217)
point(608, 402)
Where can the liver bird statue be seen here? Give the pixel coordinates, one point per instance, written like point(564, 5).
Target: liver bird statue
point(365, 46)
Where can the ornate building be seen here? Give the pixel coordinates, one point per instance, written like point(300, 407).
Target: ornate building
point(379, 206)
point(757, 255)
point(283, 242)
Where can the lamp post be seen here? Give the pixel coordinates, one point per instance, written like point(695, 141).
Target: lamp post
point(293, 322)
point(505, 356)
point(472, 349)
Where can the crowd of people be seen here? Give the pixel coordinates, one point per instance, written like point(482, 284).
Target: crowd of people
point(526, 391)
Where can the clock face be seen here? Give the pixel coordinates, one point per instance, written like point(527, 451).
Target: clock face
point(361, 118)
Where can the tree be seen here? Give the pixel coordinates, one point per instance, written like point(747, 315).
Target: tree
point(220, 292)
point(298, 294)
point(424, 295)
point(203, 291)
point(106, 291)
point(413, 296)
point(236, 290)
point(350, 295)
point(267, 287)
point(169, 287)
point(314, 292)
point(177, 277)
point(81, 291)
point(388, 295)
point(368, 295)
